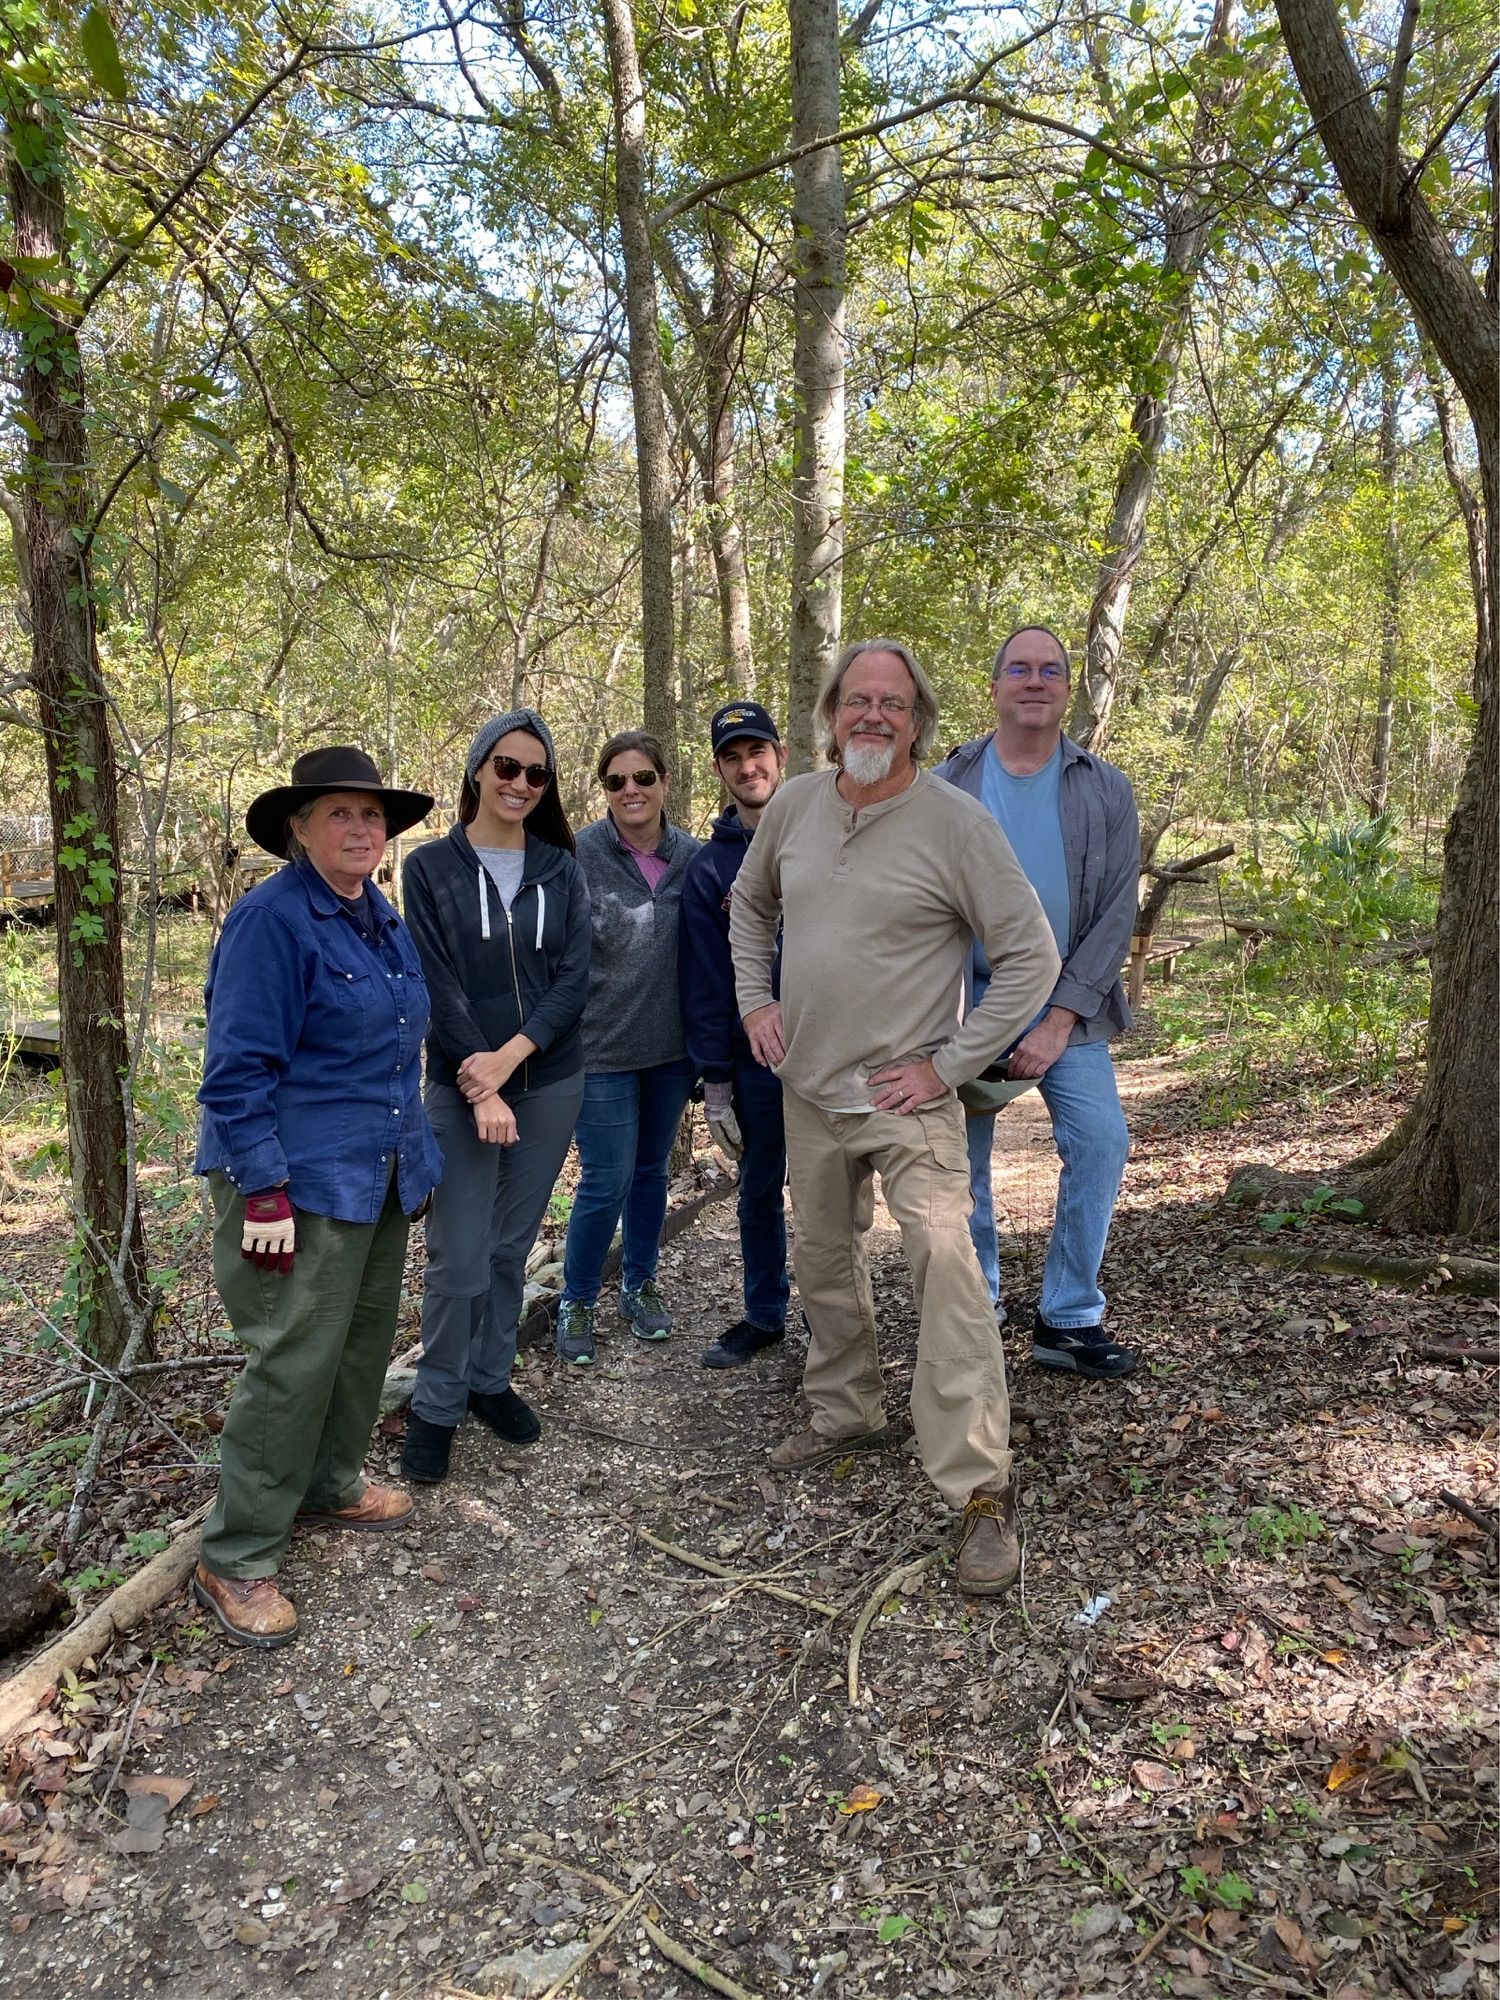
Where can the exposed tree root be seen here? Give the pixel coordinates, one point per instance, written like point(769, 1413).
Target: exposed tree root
point(1475, 1277)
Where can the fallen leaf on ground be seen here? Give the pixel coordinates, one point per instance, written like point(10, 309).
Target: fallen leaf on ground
point(1153, 1777)
point(864, 1798)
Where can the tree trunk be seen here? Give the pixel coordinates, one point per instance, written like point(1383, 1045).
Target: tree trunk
point(652, 446)
point(819, 226)
point(82, 784)
point(1437, 1170)
point(716, 332)
point(1187, 233)
point(1390, 586)
point(731, 572)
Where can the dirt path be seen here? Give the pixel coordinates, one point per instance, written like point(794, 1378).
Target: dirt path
point(502, 1723)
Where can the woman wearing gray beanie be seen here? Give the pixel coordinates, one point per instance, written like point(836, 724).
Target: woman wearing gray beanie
point(500, 914)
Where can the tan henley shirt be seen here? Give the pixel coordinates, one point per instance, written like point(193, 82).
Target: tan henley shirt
point(878, 911)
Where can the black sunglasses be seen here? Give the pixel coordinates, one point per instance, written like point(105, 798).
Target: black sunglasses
point(538, 776)
point(618, 780)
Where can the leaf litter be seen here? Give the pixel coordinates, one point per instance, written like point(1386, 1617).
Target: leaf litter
point(1267, 1764)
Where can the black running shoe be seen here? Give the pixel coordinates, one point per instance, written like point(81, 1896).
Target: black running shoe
point(1080, 1350)
point(740, 1344)
point(508, 1415)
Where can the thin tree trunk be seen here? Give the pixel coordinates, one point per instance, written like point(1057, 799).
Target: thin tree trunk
point(715, 333)
point(652, 447)
point(819, 226)
point(82, 783)
point(1187, 233)
point(1390, 586)
point(726, 534)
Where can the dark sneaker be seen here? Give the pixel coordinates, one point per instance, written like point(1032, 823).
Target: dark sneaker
point(1080, 1350)
point(645, 1312)
point(575, 1332)
point(507, 1415)
point(740, 1344)
point(424, 1456)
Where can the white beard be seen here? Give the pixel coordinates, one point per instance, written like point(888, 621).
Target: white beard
point(869, 766)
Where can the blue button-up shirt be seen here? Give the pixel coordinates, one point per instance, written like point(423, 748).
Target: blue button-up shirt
point(313, 1069)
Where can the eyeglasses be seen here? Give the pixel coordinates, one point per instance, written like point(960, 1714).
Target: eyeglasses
point(537, 776)
point(888, 704)
point(1050, 672)
point(616, 781)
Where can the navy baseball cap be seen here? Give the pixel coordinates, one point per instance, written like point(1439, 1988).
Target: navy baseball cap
point(741, 718)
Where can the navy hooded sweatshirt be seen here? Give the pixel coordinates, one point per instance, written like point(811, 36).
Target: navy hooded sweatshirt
point(493, 973)
point(705, 970)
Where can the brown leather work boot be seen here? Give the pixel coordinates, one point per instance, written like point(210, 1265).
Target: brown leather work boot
point(989, 1551)
point(251, 1609)
point(809, 1447)
point(377, 1509)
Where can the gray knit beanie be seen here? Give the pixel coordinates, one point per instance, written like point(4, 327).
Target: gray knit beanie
point(502, 725)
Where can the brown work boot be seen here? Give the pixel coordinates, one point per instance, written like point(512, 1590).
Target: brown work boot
point(809, 1447)
point(250, 1608)
point(989, 1552)
point(376, 1509)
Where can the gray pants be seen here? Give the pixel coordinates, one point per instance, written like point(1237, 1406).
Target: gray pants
point(485, 1216)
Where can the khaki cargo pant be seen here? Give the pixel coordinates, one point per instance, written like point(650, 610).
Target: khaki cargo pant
point(959, 1403)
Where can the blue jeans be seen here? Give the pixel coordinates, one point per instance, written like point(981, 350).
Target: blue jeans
point(1088, 1129)
point(762, 1209)
point(624, 1138)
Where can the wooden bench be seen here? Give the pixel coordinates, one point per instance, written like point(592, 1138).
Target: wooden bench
point(1145, 951)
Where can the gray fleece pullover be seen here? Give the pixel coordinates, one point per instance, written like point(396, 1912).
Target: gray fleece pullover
point(632, 1019)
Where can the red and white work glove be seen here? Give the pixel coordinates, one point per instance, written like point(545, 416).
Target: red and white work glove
point(718, 1107)
point(270, 1234)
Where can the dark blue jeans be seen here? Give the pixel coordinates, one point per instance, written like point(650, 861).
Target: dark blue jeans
point(762, 1208)
point(624, 1138)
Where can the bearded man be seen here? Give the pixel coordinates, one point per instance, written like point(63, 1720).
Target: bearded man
point(879, 878)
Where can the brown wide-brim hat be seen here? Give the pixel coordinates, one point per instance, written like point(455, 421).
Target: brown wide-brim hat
point(340, 768)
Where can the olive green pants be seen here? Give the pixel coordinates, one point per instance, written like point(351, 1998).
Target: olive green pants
point(319, 1339)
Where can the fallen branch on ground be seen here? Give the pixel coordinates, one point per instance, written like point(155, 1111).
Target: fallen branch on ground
point(26, 1690)
point(701, 1970)
point(890, 1584)
point(1475, 1277)
point(712, 1568)
point(452, 1791)
point(144, 1368)
point(650, 1750)
point(595, 1944)
point(1486, 1523)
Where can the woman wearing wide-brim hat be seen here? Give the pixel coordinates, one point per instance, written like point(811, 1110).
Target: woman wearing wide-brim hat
point(317, 1152)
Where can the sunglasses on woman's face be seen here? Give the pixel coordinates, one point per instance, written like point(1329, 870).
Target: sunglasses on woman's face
point(508, 769)
point(618, 780)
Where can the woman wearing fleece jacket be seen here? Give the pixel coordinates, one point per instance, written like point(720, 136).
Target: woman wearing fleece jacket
point(500, 915)
point(639, 1075)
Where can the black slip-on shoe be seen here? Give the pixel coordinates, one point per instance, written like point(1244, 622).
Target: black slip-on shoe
point(740, 1344)
point(1080, 1350)
point(508, 1415)
point(424, 1456)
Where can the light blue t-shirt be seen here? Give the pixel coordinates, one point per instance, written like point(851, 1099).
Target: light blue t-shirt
point(1026, 810)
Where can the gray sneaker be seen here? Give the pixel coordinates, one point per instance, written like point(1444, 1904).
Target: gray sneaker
point(575, 1332)
point(645, 1312)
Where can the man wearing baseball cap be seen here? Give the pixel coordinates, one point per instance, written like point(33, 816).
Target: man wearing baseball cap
point(741, 1096)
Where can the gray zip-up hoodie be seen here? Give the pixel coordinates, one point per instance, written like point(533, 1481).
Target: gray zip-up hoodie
point(1102, 846)
point(632, 1020)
